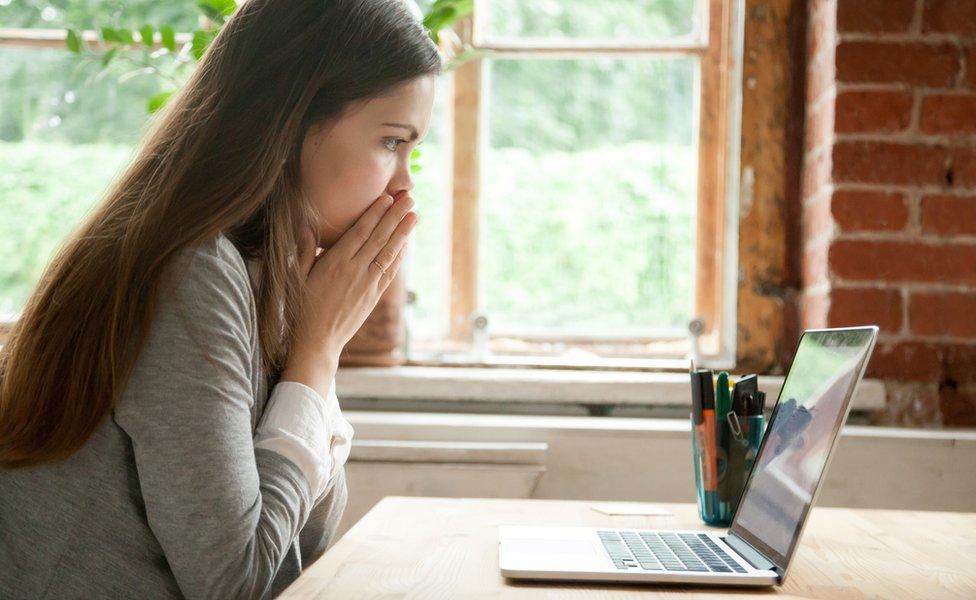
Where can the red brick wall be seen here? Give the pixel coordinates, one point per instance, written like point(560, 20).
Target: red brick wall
point(889, 194)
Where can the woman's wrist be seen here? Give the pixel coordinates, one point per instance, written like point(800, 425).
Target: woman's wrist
point(316, 370)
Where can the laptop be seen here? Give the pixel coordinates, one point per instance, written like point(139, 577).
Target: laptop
point(762, 540)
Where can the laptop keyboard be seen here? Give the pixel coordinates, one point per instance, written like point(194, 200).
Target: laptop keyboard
point(666, 551)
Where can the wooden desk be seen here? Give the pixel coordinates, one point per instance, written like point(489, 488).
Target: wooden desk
point(448, 548)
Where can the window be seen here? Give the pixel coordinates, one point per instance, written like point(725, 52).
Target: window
point(65, 131)
point(573, 188)
point(587, 215)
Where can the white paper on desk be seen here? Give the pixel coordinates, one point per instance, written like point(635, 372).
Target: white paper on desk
point(630, 508)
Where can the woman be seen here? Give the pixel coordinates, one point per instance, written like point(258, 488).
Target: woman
point(168, 419)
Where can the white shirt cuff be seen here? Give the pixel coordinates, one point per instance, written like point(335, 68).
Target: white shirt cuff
point(308, 430)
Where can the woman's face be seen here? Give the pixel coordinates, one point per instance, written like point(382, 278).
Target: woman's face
point(351, 161)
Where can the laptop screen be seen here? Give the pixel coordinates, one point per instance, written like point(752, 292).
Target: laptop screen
point(808, 416)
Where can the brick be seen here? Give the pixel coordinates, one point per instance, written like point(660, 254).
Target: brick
point(821, 33)
point(949, 215)
point(820, 79)
point(869, 211)
point(943, 313)
point(814, 268)
point(962, 171)
point(895, 261)
point(888, 162)
point(870, 16)
point(905, 361)
point(914, 63)
point(819, 125)
point(958, 405)
point(816, 173)
point(813, 311)
point(910, 404)
point(873, 111)
point(866, 306)
point(958, 386)
point(959, 363)
point(949, 16)
point(817, 220)
point(949, 113)
point(971, 66)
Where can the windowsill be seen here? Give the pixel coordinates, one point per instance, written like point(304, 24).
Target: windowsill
point(552, 386)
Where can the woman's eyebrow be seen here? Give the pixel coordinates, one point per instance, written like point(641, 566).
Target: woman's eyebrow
point(410, 128)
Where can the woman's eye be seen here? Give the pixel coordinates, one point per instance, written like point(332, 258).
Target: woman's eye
point(393, 143)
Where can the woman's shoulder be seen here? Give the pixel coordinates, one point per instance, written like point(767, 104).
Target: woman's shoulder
point(213, 269)
point(216, 252)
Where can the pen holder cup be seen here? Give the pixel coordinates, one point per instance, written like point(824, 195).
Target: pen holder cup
point(720, 480)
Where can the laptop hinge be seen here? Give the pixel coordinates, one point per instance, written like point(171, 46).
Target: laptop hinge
point(750, 554)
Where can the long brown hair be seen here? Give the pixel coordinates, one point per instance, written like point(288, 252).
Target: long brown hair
point(222, 157)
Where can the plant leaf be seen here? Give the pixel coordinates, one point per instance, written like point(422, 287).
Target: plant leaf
point(109, 34)
point(125, 36)
point(217, 10)
point(108, 56)
point(168, 37)
point(201, 39)
point(415, 166)
point(146, 35)
point(73, 41)
point(157, 101)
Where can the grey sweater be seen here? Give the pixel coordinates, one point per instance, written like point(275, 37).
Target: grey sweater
point(169, 497)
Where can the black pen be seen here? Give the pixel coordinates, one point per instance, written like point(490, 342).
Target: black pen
point(744, 389)
point(758, 403)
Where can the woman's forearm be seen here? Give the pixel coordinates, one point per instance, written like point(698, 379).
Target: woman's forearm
point(317, 370)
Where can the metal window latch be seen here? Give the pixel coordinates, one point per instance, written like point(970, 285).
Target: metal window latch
point(479, 327)
point(696, 327)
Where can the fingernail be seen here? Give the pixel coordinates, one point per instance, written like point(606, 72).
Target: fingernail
point(388, 200)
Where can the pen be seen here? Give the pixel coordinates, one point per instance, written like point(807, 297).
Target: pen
point(722, 400)
point(698, 430)
point(758, 403)
point(709, 466)
point(741, 392)
point(722, 406)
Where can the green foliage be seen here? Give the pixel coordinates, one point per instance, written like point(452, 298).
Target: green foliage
point(201, 40)
point(73, 40)
point(156, 101)
point(589, 187)
point(45, 190)
point(168, 36)
point(217, 10)
point(444, 12)
point(146, 33)
point(415, 161)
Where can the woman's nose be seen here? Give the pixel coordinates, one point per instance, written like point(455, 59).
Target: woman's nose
point(402, 181)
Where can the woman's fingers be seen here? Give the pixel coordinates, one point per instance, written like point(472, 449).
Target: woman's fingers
point(391, 271)
point(384, 229)
point(353, 239)
point(390, 252)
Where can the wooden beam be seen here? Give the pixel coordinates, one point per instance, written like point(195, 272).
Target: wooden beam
point(55, 38)
point(680, 46)
point(770, 126)
point(467, 84)
point(712, 147)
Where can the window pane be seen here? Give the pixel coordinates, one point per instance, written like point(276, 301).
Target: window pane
point(64, 137)
point(179, 14)
point(582, 19)
point(589, 196)
point(428, 269)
